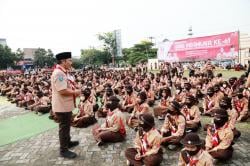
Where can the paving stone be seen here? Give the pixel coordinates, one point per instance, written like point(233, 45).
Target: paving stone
point(43, 149)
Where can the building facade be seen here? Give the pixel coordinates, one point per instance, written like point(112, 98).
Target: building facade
point(3, 42)
point(29, 53)
point(244, 52)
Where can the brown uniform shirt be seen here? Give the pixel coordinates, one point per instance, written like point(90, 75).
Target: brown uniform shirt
point(233, 115)
point(115, 121)
point(59, 81)
point(86, 109)
point(209, 103)
point(176, 129)
point(192, 114)
point(225, 138)
point(202, 158)
point(241, 106)
point(149, 143)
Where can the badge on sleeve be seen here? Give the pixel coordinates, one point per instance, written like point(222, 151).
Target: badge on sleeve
point(60, 78)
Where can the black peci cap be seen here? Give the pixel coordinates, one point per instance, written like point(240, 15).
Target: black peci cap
point(63, 55)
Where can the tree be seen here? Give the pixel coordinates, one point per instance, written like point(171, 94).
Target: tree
point(94, 56)
point(76, 63)
point(109, 43)
point(7, 57)
point(19, 54)
point(43, 58)
point(139, 52)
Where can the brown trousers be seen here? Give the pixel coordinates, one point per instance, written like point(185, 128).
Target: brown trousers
point(42, 109)
point(101, 113)
point(84, 122)
point(133, 122)
point(159, 111)
point(194, 127)
point(173, 141)
point(106, 136)
point(237, 133)
point(64, 119)
point(222, 154)
point(152, 160)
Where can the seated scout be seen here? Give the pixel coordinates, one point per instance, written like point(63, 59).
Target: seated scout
point(192, 114)
point(140, 108)
point(240, 103)
point(209, 102)
point(129, 100)
point(193, 154)
point(226, 104)
point(147, 150)
point(220, 136)
point(86, 114)
point(173, 128)
point(113, 130)
point(161, 110)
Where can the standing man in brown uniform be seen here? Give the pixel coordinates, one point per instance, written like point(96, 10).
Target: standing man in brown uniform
point(64, 93)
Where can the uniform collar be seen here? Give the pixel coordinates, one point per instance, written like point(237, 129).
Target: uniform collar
point(61, 68)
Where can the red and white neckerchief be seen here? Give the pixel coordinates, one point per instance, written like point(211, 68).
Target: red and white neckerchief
point(173, 128)
point(187, 113)
point(163, 102)
point(139, 108)
point(69, 80)
point(215, 136)
point(239, 105)
point(210, 104)
point(144, 143)
point(192, 161)
point(129, 100)
point(119, 120)
point(109, 115)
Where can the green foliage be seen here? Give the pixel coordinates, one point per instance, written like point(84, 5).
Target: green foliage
point(93, 56)
point(9, 58)
point(19, 54)
point(76, 63)
point(43, 58)
point(109, 42)
point(139, 52)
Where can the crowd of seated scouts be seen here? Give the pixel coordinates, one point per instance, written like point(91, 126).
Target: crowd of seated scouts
point(134, 100)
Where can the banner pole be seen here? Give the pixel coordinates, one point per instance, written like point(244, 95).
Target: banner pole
point(239, 53)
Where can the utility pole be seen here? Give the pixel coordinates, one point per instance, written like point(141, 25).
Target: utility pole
point(190, 31)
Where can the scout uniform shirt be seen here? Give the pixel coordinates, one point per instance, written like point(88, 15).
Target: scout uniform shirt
point(86, 109)
point(60, 81)
point(192, 114)
point(221, 138)
point(140, 109)
point(149, 142)
point(233, 115)
point(176, 125)
point(241, 106)
point(129, 100)
point(209, 103)
point(115, 121)
point(202, 158)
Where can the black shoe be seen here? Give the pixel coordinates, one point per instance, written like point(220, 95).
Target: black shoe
point(100, 143)
point(73, 144)
point(68, 154)
point(51, 117)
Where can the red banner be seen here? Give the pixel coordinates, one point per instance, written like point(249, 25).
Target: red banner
point(216, 47)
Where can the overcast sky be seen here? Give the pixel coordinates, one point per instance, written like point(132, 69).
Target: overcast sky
point(63, 25)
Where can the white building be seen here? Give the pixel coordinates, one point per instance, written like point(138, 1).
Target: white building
point(3, 42)
point(244, 52)
point(29, 53)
